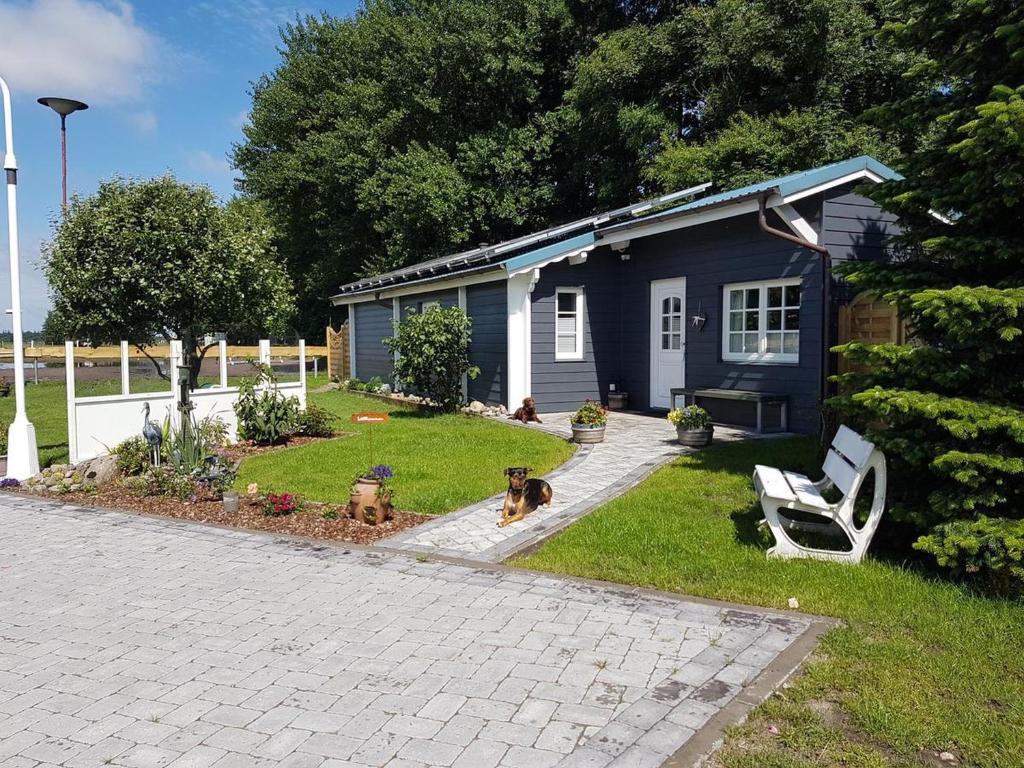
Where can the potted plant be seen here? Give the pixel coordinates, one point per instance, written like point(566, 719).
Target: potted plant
point(588, 423)
point(370, 496)
point(693, 425)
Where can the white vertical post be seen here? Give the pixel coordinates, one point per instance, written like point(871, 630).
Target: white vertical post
point(351, 341)
point(222, 351)
point(465, 378)
point(69, 385)
point(302, 371)
point(265, 351)
point(175, 361)
point(124, 368)
point(518, 368)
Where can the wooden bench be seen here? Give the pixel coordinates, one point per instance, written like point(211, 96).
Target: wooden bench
point(761, 399)
point(847, 464)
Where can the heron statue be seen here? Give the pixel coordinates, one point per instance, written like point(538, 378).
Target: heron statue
point(153, 434)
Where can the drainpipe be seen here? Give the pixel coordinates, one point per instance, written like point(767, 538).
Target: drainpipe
point(826, 284)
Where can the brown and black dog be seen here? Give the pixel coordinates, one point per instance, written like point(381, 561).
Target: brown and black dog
point(527, 412)
point(523, 496)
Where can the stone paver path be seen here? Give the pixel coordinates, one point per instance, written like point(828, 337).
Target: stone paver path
point(634, 446)
point(136, 641)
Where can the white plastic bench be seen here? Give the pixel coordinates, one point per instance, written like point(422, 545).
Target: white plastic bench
point(846, 466)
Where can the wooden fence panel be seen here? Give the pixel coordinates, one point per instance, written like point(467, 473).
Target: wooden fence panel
point(869, 320)
point(338, 353)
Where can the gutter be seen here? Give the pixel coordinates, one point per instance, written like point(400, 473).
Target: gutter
point(826, 283)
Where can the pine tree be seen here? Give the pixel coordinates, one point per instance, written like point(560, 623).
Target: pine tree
point(948, 409)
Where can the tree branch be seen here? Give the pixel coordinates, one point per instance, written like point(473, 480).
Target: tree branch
point(156, 363)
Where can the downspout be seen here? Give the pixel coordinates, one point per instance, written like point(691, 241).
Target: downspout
point(826, 284)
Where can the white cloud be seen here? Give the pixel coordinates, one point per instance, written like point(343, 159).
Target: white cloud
point(87, 49)
point(201, 161)
point(145, 122)
point(259, 19)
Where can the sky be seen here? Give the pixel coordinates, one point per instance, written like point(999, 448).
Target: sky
point(167, 83)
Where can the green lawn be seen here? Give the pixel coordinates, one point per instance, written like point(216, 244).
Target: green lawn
point(920, 665)
point(441, 463)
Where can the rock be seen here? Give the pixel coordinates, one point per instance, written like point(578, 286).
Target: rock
point(794, 603)
point(100, 470)
point(477, 407)
point(948, 757)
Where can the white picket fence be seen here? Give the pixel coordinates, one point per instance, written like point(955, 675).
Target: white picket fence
point(97, 423)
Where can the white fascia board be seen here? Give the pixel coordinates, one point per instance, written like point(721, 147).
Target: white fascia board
point(855, 176)
point(717, 213)
point(573, 256)
point(800, 226)
point(422, 287)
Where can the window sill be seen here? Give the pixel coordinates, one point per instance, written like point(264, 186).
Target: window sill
point(786, 363)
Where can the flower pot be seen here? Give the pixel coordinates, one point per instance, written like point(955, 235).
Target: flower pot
point(588, 433)
point(695, 438)
point(367, 494)
point(230, 502)
point(617, 401)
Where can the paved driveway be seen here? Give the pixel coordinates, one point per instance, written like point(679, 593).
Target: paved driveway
point(135, 641)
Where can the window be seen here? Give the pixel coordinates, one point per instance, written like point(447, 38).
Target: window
point(568, 324)
point(762, 322)
point(429, 305)
point(672, 323)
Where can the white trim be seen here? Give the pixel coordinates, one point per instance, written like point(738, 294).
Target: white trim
point(222, 362)
point(762, 357)
point(725, 211)
point(124, 368)
point(654, 341)
point(465, 378)
point(351, 341)
point(396, 318)
point(863, 173)
point(518, 369)
point(800, 226)
point(580, 336)
point(424, 285)
point(574, 258)
point(69, 385)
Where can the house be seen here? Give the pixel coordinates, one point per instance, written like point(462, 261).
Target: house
point(719, 291)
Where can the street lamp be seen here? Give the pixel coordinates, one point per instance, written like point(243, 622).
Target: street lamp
point(63, 107)
point(22, 456)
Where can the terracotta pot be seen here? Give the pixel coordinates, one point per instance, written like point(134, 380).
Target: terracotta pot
point(367, 494)
point(695, 438)
point(588, 433)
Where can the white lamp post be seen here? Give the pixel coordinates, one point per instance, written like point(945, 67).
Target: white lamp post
point(22, 456)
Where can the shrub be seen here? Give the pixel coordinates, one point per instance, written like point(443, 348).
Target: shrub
point(213, 431)
point(5, 386)
point(991, 550)
point(264, 414)
point(433, 354)
point(590, 413)
point(356, 385)
point(376, 385)
point(4, 426)
point(315, 421)
point(690, 417)
point(133, 455)
point(162, 481)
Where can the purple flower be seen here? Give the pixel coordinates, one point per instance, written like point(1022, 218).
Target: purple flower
point(10, 482)
point(381, 472)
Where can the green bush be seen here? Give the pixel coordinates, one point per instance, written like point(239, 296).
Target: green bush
point(991, 550)
point(4, 426)
point(265, 416)
point(213, 431)
point(590, 413)
point(133, 456)
point(162, 481)
point(356, 385)
point(315, 421)
point(433, 354)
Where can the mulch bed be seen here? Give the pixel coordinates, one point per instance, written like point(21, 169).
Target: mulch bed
point(307, 522)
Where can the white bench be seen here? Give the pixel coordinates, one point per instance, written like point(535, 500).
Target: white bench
point(846, 466)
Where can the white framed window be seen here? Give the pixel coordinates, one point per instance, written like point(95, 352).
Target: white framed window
point(761, 322)
point(568, 324)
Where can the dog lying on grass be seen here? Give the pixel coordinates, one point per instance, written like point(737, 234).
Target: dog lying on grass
point(524, 495)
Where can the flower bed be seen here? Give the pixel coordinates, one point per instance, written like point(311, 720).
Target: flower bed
point(309, 521)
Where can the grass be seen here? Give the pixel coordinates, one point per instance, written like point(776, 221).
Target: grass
point(441, 463)
point(920, 665)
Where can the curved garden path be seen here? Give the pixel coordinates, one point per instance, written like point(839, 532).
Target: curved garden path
point(634, 447)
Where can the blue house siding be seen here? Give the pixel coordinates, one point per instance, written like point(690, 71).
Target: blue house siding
point(562, 385)
point(373, 324)
point(487, 306)
point(446, 298)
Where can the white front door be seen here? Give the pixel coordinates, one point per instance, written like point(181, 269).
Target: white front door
point(668, 338)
